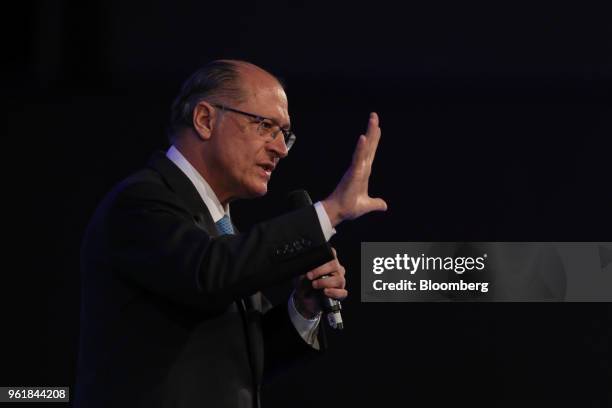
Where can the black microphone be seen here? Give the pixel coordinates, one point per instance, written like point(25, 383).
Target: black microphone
point(299, 199)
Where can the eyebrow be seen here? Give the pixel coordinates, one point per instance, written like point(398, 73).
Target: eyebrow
point(276, 122)
point(255, 116)
point(287, 127)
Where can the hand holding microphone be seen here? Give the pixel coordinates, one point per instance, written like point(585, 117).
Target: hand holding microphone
point(330, 279)
point(321, 289)
point(323, 286)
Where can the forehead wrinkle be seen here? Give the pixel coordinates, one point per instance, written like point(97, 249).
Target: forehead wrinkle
point(263, 92)
point(270, 101)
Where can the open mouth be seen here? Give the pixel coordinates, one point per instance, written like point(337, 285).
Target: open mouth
point(267, 168)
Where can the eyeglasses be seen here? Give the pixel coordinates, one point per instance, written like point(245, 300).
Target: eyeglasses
point(265, 126)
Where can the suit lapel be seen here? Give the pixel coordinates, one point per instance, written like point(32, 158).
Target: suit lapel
point(249, 306)
point(184, 188)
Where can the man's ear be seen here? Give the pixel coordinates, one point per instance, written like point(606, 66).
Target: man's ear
point(204, 115)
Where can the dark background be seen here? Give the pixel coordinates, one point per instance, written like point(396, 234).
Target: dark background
point(496, 124)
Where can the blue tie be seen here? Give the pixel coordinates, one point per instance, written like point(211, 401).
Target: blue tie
point(224, 226)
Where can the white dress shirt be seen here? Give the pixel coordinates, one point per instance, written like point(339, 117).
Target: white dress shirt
point(307, 328)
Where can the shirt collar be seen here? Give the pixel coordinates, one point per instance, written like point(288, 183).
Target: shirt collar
point(217, 211)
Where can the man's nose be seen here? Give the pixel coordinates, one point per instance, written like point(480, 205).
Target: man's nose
point(278, 146)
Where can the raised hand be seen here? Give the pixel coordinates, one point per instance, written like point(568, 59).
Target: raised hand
point(350, 199)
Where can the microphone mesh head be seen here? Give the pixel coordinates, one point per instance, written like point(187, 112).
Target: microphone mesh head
point(298, 199)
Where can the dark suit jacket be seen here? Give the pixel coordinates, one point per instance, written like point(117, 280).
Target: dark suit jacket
point(171, 313)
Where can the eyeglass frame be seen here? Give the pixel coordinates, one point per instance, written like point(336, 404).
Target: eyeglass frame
point(288, 136)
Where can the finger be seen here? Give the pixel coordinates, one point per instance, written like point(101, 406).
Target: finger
point(329, 269)
point(324, 269)
point(339, 294)
point(373, 136)
point(334, 281)
point(372, 123)
point(373, 148)
point(340, 271)
point(334, 251)
point(377, 204)
point(360, 154)
point(362, 151)
point(373, 128)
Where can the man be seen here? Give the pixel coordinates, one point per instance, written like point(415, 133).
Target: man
point(172, 314)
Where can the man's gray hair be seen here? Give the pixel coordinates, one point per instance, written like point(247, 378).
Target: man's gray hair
point(215, 80)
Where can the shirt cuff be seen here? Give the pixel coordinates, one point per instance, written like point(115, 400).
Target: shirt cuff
point(307, 328)
point(326, 227)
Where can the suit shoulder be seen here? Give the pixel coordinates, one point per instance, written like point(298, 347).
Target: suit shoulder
point(144, 183)
point(143, 186)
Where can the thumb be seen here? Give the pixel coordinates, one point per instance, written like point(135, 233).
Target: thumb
point(377, 204)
